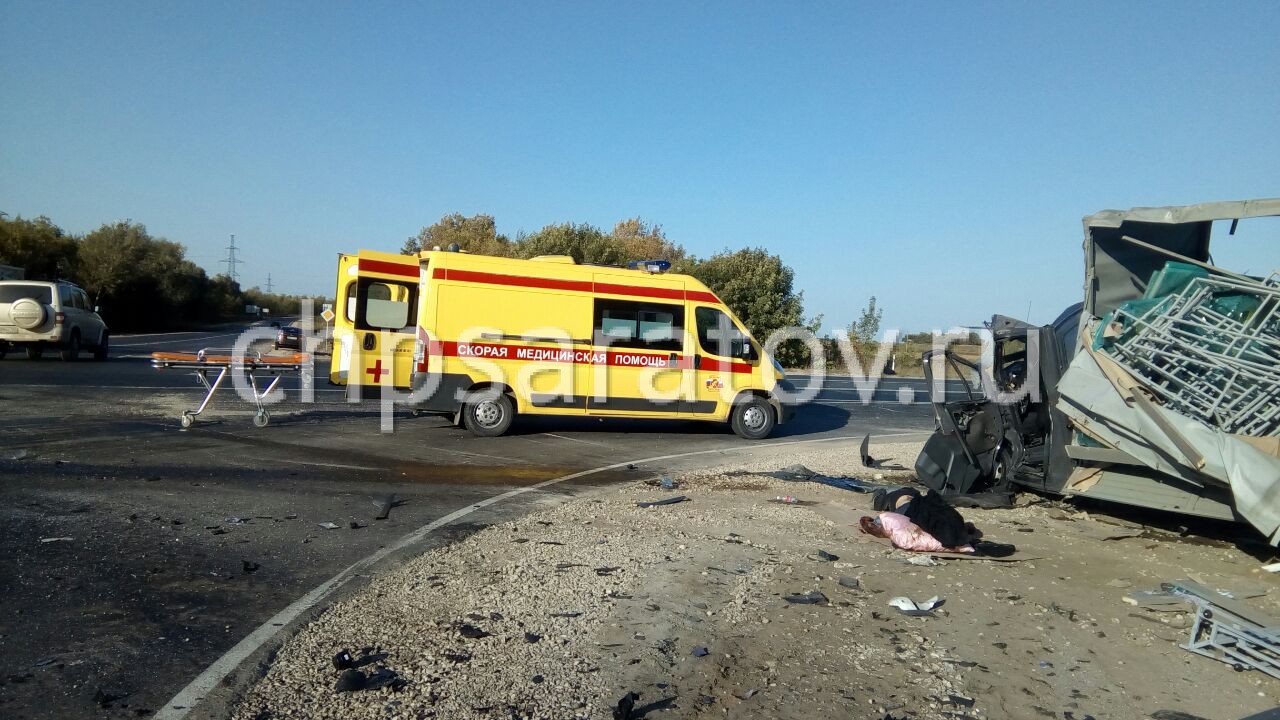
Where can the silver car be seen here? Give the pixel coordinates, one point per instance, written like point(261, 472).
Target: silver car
point(38, 315)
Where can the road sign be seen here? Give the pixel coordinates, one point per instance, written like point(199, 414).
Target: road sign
point(328, 315)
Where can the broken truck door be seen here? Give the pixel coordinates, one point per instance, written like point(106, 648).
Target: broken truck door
point(967, 446)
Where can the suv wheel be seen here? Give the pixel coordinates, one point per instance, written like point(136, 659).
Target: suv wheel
point(34, 352)
point(100, 352)
point(71, 350)
point(488, 413)
point(753, 418)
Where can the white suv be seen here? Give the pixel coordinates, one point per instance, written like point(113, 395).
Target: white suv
point(37, 315)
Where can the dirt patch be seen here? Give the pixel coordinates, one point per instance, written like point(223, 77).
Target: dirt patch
point(566, 611)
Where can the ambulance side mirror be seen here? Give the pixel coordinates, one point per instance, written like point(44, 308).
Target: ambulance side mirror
point(748, 352)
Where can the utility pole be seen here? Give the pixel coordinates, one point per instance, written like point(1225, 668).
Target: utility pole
point(232, 261)
point(268, 283)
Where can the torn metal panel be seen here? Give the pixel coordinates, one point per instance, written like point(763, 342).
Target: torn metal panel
point(1116, 270)
point(1091, 400)
point(1144, 487)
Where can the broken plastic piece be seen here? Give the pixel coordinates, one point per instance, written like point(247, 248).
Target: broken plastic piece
point(701, 651)
point(350, 680)
point(623, 710)
point(810, 598)
point(907, 606)
point(667, 501)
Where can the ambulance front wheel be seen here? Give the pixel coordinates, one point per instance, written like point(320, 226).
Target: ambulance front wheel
point(489, 415)
point(753, 418)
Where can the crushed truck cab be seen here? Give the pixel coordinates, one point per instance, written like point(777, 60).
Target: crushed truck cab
point(483, 339)
point(1160, 390)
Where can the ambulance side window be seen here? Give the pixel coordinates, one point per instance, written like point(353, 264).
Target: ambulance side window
point(718, 335)
point(384, 305)
point(646, 326)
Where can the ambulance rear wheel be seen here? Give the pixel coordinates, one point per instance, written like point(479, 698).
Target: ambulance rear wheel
point(753, 418)
point(489, 415)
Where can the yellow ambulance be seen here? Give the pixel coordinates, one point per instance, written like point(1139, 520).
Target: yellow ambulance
point(482, 339)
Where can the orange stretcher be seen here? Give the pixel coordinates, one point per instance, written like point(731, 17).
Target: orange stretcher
point(224, 362)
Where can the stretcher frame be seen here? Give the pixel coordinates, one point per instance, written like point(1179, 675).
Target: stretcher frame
point(206, 361)
point(1227, 631)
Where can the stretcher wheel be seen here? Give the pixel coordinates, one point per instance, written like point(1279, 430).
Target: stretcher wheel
point(261, 418)
point(186, 420)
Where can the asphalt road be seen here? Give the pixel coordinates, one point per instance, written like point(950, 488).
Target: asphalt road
point(136, 553)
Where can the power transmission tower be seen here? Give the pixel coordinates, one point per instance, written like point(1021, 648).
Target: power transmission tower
point(232, 261)
point(268, 283)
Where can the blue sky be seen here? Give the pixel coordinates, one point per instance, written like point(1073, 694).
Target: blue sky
point(936, 155)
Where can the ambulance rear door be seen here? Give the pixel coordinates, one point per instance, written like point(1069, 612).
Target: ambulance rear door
point(381, 305)
point(343, 320)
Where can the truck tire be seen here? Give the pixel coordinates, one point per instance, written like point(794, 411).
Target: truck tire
point(488, 413)
point(753, 418)
point(100, 352)
point(71, 351)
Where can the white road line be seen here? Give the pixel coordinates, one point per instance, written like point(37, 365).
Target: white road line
point(171, 342)
point(873, 402)
point(577, 440)
point(184, 702)
point(320, 464)
point(169, 334)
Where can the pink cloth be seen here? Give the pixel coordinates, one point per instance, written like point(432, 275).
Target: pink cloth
point(907, 535)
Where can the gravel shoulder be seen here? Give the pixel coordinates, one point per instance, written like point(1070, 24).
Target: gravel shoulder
point(565, 611)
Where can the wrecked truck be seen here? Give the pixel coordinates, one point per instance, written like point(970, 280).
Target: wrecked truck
point(1161, 389)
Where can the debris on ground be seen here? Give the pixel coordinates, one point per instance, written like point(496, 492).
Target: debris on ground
point(384, 506)
point(717, 572)
point(907, 606)
point(329, 525)
point(813, 597)
point(656, 503)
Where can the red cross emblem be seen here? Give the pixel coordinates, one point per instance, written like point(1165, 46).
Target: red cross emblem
point(376, 371)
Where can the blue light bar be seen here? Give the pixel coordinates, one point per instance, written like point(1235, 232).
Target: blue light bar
point(650, 266)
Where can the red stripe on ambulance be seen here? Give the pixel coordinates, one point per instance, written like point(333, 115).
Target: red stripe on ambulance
point(576, 356)
point(485, 278)
point(388, 268)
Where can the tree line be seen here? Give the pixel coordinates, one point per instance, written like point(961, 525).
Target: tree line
point(140, 282)
point(755, 283)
